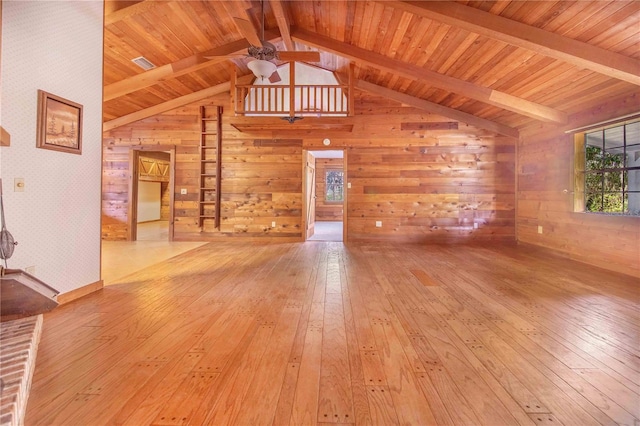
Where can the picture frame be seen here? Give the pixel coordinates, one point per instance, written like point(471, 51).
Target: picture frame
point(59, 126)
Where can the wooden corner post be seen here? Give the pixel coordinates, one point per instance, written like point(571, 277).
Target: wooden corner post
point(292, 88)
point(233, 77)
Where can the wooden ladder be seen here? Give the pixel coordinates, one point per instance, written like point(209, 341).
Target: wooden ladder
point(210, 165)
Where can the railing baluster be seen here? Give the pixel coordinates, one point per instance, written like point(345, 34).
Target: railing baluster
point(312, 99)
point(270, 106)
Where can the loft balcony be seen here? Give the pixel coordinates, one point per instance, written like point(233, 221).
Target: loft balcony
point(304, 91)
point(311, 99)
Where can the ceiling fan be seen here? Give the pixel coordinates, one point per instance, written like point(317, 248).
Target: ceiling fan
point(264, 52)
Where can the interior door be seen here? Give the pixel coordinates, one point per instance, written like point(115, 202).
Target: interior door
point(311, 194)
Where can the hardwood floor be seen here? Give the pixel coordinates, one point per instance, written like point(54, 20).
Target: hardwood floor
point(121, 258)
point(322, 333)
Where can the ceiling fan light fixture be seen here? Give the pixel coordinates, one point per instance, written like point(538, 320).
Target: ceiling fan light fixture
point(262, 69)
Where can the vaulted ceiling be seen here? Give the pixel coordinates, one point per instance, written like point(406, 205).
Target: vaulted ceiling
point(505, 64)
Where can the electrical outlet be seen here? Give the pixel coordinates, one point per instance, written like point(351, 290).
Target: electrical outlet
point(273, 224)
point(539, 229)
point(378, 224)
point(349, 185)
point(183, 191)
point(475, 225)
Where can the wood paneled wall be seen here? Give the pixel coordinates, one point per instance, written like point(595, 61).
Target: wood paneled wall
point(260, 185)
point(165, 201)
point(545, 197)
point(447, 187)
point(424, 185)
point(326, 210)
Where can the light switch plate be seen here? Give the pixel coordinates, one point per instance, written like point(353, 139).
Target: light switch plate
point(183, 191)
point(378, 224)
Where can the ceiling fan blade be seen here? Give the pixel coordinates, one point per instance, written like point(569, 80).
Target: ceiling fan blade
point(299, 56)
point(275, 77)
point(233, 56)
point(248, 31)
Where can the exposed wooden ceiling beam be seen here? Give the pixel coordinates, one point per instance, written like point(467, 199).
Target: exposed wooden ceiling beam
point(469, 90)
point(173, 70)
point(435, 108)
point(183, 66)
point(535, 39)
point(174, 103)
point(243, 21)
point(282, 18)
point(5, 137)
point(165, 106)
point(111, 6)
point(248, 31)
point(119, 13)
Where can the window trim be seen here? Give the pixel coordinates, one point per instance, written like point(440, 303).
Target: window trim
point(579, 165)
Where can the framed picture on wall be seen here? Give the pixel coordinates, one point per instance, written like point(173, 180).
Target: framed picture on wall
point(59, 124)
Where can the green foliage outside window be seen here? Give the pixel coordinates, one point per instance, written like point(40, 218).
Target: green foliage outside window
point(612, 170)
point(334, 186)
point(604, 190)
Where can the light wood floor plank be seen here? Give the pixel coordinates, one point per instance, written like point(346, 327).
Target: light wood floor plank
point(305, 405)
point(359, 392)
point(335, 399)
point(270, 334)
point(143, 405)
point(411, 404)
point(235, 385)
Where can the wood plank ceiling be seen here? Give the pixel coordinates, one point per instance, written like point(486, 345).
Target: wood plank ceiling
point(513, 63)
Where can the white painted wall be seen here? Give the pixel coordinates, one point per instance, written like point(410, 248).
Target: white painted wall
point(55, 46)
point(149, 194)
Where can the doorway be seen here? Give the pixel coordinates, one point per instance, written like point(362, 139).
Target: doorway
point(325, 195)
point(151, 190)
point(122, 258)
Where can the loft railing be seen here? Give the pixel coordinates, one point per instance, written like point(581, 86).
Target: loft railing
point(292, 99)
point(306, 99)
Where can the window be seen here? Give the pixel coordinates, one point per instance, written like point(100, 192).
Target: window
point(612, 170)
point(334, 188)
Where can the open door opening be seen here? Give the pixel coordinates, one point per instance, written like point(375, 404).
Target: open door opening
point(151, 194)
point(325, 195)
point(144, 247)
